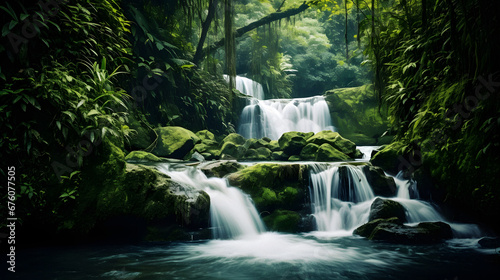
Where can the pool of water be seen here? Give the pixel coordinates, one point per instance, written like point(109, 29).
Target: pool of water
point(316, 255)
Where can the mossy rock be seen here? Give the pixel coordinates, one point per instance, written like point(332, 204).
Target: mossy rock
point(381, 184)
point(279, 155)
point(141, 156)
point(356, 115)
point(205, 135)
point(386, 208)
point(256, 143)
point(208, 148)
point(283, 221)
point(175, 142)
point(234, 150)
point(234, 138)
point(272, 186)
point(309, 152)
point(220, 168)
point(274, 145)
point(335, 140)
point(388, 158)
point(294, 158)
point(143, 136)
point(326, 152)
point(292, 142)
point(261, 153)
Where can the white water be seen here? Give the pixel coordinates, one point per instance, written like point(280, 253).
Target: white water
point(339, 213)
point(248, 87)
point(339, 204)
point(367, 151)
point(272, 118)
point(232, 212)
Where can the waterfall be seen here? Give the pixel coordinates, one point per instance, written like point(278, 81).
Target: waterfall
point(272, 118)
point(340, 196)
point(232, 213)
point(341, 199)
point(248, 87)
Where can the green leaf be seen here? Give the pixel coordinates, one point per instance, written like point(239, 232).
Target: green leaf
point(58, 124)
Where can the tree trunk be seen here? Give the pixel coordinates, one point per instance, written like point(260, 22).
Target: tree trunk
point(229, 43)
point(205, 26)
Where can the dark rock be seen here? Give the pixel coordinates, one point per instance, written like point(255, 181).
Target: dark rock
point(392, 230)
point(389, 158)
point(381, 185)
point(367, 229)
point(279, 155)
point(386, 208)
point(220, 168)
point(489, 242)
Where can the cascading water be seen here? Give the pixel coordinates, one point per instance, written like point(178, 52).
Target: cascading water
point(248, 87)
point(232, 213)
point(272, 118)
point(341, 198)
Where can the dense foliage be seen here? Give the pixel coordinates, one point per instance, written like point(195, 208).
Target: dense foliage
point(436, 69)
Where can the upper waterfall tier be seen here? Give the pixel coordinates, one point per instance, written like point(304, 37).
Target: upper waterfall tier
point(272, 118)
point(248, 87)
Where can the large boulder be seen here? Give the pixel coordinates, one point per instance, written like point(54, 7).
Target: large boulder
point(389, 158)
point(356, 115)
point(327, 152)
point(381, 184)
point(261, 153)
point(386, 208)
point(392, 230)
point(291, 143)
point(309, 152)
point(174, 142)
point(272, 186)
point(141, 156)
point(233, 145)
point(335, 140)
point(220, 168)
point(205, 135)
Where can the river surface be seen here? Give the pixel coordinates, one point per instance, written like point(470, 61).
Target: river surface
point(315, 255)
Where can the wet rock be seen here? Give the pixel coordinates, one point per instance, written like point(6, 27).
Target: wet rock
point(220, 168)
point(309, 152)
point(381, 184)
point(386, 208)
point(489, 242)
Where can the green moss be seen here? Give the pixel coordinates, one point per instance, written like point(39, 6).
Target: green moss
point(294, 158)
point(328, 153)
point(283, 220)
point(388, 158)
point(279, 155)
point(335, 140)
point(268, 182)
point(309, 152)
point(234, 138)
point(205, 135)
point(174, 142)
point(355, 113)
point(292, 142)
point(141, 156)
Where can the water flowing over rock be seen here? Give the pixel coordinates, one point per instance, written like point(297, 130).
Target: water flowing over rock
point(232, 213)
point(271, 118)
